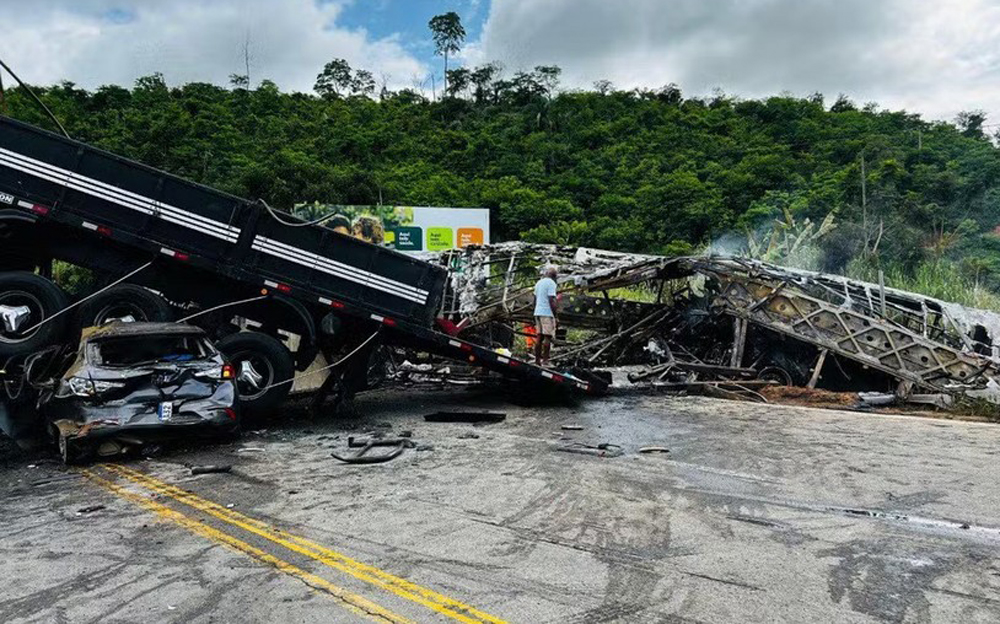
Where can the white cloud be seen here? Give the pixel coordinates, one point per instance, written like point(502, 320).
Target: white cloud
point(936, 58)
point(94, 42)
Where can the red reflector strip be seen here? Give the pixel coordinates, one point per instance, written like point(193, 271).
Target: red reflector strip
point(177, 255)
point(332, 303)
point(104, 231)
point(558, 378)
point(513, 363)
point(40, 210)
point(381, 319)
point(390, 322)
point(285, 288)
point(466, 347)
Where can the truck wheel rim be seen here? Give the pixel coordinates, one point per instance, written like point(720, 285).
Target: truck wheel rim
point(15, 298)
point(260, 364)
point(120, 310)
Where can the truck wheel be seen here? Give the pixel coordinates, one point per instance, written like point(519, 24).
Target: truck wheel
point(124, 301)
point(260, 361)
point(27, 299)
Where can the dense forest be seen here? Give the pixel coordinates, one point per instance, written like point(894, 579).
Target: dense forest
point(826, 185)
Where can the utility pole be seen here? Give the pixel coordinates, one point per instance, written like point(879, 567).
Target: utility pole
point(864, 200)
point(246, 57)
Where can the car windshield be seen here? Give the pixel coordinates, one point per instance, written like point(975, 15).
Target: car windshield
point(139, 350)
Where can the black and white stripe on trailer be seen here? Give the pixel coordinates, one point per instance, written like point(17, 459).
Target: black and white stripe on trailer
point(205, 225)
point(122, 197)
point(338, 269)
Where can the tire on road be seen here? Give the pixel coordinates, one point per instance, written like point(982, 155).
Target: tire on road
point(260, 361)
point(43, 299)
point(124, 300)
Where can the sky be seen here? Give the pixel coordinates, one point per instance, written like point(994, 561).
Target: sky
point(934, 57)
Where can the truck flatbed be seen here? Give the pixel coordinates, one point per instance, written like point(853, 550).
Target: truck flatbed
point(98, 210)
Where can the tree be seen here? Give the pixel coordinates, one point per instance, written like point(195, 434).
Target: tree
point(363, 82)
point(603, 87)
point(971, 123)
point(458, 81)
point(335, 78)
point(482, 79)
point(548, 77)
point(239, 81)
point(448, 34)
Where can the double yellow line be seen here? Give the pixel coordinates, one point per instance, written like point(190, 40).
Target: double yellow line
point(443, 605)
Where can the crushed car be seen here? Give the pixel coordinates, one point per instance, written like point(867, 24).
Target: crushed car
point(131, 384)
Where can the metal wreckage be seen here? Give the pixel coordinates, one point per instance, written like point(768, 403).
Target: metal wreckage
point(731, 325)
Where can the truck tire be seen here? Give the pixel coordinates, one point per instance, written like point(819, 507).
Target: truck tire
point(124, 300)
point(260, 361)
point(43, 299)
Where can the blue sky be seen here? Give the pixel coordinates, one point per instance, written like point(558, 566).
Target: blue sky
point(408, 19)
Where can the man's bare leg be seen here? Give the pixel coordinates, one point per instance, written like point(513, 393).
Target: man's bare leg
point(538, 349)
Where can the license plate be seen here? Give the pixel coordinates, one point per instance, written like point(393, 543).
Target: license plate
point(166, 411)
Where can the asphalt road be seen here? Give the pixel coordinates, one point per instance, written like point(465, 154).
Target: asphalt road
point(757, 514)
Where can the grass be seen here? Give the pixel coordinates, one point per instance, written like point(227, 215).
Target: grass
point(940, 279)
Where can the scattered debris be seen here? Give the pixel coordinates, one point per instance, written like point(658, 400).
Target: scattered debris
point(362, 457)
point(210, 469)
point(89, 509)
point(466, 417)
point(730, 327)
point(605, 449)
point(654, 449)
point(572, 427)
point(810, 397)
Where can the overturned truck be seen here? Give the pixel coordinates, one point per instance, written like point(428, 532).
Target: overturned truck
point(746, 323)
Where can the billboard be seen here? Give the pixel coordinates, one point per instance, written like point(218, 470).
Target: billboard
point(407, 228)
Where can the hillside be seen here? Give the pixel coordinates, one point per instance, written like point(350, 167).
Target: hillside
point(648, 171)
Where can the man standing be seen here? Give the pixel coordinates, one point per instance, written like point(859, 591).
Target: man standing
point(545, 315)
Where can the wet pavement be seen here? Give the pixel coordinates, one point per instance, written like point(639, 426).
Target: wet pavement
point(758, 513)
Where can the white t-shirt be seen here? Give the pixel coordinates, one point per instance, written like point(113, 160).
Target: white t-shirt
point(545, 288)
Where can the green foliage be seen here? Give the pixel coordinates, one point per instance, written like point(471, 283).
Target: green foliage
point(640, 171)
point(448, 34)
point(941, 279)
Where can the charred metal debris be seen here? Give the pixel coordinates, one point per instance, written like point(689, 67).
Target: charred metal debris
point(733, 324)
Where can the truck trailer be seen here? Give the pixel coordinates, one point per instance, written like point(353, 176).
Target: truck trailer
point(188, 250)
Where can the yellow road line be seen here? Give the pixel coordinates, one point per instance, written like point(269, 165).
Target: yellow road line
point(352, 602)
point(444, 605)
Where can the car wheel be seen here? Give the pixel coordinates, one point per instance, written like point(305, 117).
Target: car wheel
point(124, 301)
point(260, 362)
point(27, 299)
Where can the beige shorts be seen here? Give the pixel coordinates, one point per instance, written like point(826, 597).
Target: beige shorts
point(546, 326)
